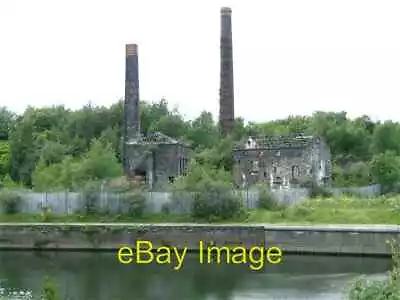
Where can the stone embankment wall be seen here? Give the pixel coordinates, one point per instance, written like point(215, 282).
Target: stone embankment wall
point(358, 240)
point(113, 236)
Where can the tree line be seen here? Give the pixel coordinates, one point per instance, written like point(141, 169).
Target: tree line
point(55, 147)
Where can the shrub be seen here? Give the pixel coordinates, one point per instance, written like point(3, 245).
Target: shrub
point(301, 211)
point(319, 191)
point(389, 289)
point(49, 290)
point(165, 209)
point(91, 198)
point(10, 202)
point(46, 214)
point(266, 200)
point(215, 203)
point(135, 203)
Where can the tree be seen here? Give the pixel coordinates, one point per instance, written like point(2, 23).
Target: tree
point(7, 121)
point(386, 137)
point(203, 131)
point(23, 152)
point(385, 168)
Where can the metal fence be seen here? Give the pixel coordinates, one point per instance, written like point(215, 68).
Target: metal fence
point(156, 202)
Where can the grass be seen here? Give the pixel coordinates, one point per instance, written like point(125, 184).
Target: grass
point(341, 210)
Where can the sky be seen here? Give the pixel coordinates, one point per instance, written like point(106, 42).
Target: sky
point(291, 57)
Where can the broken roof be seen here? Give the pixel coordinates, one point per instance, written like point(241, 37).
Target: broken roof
point(157, 138)
point(280, 142)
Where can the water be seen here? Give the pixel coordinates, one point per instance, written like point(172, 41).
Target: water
point(98, 276)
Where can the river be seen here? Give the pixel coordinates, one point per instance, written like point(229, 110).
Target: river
point(99, 276)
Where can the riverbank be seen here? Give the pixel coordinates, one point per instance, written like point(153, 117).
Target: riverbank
point(312, 239)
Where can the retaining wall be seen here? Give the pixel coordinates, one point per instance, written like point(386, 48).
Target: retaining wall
point(335, 239)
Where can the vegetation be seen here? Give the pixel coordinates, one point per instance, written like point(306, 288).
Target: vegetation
point(58, 149)
point(54, 148)
point(334, 210)
point(10, 202)
point(135, 203)
point(341, 210)
point(49, 290)
point(266, 201)
point(388, 289)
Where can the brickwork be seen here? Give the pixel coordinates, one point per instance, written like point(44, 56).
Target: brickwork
point(226, 113)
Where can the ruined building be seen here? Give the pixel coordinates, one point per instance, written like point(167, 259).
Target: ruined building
point(155, 158)
point(226, 93)
point(282, 161)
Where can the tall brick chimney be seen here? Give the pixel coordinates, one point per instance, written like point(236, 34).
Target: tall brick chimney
point(226, 94)
point(131, 131)
point(132, 118)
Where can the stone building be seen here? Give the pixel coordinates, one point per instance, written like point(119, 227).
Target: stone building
point(155, 158)
point(282, 162)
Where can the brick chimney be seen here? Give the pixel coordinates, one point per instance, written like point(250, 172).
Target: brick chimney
point(131, 126)
point(226, 93)
point(131, 108)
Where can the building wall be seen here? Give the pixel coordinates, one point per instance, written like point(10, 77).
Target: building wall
point(283, 166)
point(160, 163)
point(170, 162)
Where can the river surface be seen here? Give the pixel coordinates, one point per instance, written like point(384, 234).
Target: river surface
point(99, 276)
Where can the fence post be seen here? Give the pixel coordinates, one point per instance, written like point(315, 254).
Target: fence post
point(247, 196)
point(66, 202)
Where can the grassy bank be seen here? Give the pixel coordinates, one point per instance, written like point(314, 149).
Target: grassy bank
point(340, 210)
point(343, 210)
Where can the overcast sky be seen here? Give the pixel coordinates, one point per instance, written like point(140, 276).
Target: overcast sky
point(290, 56)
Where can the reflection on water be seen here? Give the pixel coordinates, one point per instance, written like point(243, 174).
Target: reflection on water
point(99, 276)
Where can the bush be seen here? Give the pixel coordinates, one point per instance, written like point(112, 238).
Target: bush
point(216, 203)
point(301, 211)
point(135, 203)
point(91, 197)
point(319, 191)
point(10, 202)
point(389, 289)
point(49, 290)
point(266, 200)
point(166, 209)
point(46, 214)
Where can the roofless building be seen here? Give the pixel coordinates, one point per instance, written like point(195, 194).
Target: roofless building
point(155, 158)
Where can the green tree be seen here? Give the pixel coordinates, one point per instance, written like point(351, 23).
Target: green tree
point(385, 169)
point(5, 156)
point(203, 131)
point(7, 121)
point(386, 137)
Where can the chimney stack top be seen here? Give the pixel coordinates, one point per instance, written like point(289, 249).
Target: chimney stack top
point(226, 11)
point(131, 49)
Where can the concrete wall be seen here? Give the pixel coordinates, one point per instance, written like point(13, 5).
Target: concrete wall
point(178, 203)
point(113, 236)
point(334, 239)
point(369, 191)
